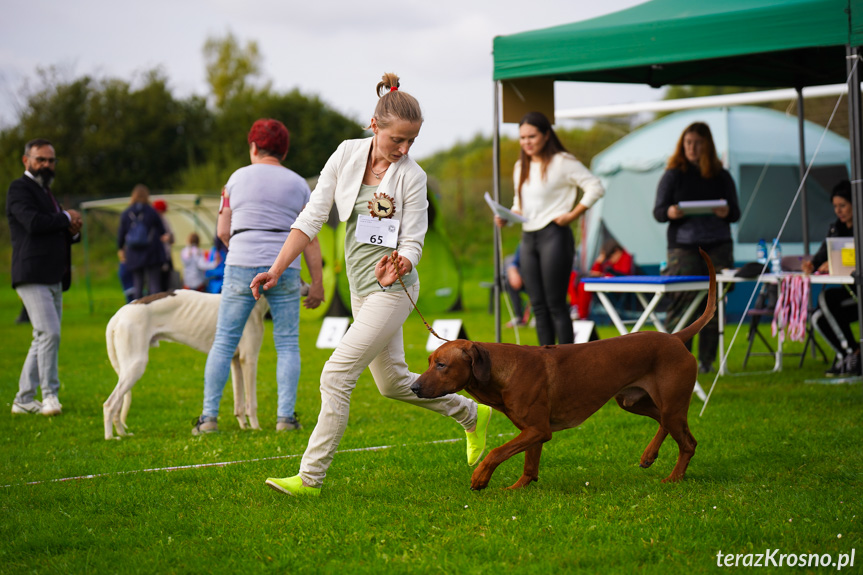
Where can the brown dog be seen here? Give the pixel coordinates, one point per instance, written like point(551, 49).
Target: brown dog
point(554, 387)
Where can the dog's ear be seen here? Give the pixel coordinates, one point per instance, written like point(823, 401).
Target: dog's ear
point(480, 362)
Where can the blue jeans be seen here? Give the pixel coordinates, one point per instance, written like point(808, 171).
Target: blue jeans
point(237, 303)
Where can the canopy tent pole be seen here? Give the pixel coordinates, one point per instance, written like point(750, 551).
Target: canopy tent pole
point(497, 288)
point(802, 140)
point(855, 135)
point(85, 238)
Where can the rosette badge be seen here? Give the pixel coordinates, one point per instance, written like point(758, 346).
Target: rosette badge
point(382, 206)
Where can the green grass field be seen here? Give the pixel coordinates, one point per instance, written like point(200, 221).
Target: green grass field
point(777, 467)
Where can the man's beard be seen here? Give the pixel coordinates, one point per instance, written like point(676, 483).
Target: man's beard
point(45, 176)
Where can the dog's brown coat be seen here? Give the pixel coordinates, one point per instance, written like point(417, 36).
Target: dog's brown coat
point(551, 388)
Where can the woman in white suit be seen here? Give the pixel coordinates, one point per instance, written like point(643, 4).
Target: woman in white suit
point(381, 193)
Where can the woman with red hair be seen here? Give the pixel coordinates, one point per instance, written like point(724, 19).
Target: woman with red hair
point(259, 204)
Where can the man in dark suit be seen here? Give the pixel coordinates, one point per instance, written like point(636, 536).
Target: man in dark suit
point(42, 234)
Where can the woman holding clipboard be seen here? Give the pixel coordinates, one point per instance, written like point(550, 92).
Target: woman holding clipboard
point(546, 180)
point(695, 174)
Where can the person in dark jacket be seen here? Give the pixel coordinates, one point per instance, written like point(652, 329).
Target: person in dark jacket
point(694, 173)
point(837, 308)
point(139, 242)
point(42, 233)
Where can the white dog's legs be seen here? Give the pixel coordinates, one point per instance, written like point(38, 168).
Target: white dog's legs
point(250, 375)
point(244, 367)
point(243, 374)
point(129, 358)
point(237, 385)
point(127, 403)
point(116, 407)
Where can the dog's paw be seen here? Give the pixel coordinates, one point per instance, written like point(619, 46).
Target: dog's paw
point(523, 481)
point(478, 484)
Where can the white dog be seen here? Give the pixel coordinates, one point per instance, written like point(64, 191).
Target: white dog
point(183, 316)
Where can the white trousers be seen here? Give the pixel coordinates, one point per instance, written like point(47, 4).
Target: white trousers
point(374, 340)
point(44, 305)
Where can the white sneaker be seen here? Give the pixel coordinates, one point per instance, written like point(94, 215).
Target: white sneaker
point(51, 405)
point(30, 407)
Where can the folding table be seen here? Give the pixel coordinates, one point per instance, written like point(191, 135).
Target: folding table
point(726, 279)
point(642, 286)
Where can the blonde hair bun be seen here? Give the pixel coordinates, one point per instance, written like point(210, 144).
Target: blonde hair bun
point(393, 104)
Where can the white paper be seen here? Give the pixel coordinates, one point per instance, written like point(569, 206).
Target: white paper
point(378, 232)
point(332, 330)
point(581, 329)
point(446, 328)
point(701, 206)
point(503, 212)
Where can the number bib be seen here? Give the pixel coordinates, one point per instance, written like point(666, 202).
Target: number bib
point(377, 232)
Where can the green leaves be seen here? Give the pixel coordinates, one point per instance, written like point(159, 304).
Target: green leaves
point(111, 134)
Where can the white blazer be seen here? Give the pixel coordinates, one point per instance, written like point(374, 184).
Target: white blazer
point(339, 184)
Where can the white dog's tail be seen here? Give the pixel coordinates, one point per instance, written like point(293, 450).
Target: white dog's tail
point(109, 341)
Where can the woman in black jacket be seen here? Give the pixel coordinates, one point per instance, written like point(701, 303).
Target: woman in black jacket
point(694, 173)
point(837, 308)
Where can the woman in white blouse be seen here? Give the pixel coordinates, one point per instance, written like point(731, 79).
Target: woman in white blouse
point(545, 194)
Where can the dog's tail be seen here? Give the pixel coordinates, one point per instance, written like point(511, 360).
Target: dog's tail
point(109, 343)
point(689, 332)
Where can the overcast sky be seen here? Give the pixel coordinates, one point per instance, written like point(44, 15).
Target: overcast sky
point(335, 49)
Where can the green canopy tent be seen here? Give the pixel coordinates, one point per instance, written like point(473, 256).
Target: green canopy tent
point(762, 43)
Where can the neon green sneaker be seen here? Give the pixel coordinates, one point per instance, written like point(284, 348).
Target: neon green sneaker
point(293, 486)
point(476, 439)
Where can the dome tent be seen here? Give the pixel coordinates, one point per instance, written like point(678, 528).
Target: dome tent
point(758, 146)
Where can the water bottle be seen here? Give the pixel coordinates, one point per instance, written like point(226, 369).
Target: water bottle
point(761, 252)
point(776, 260)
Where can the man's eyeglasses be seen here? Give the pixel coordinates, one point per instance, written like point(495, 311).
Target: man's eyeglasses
point(41, 160)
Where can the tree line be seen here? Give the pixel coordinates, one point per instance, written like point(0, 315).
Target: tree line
point(111, 134)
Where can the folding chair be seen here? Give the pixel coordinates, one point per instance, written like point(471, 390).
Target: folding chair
point(764, 306)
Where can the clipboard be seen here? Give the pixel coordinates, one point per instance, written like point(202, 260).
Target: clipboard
point(504, 213)
point(701, 207)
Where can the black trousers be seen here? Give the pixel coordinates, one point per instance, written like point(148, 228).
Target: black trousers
point(149, 277)
point(546, 264)
point(688, 262)
point(836, 311)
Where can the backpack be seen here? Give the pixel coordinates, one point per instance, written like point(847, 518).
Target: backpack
point(138, 236)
